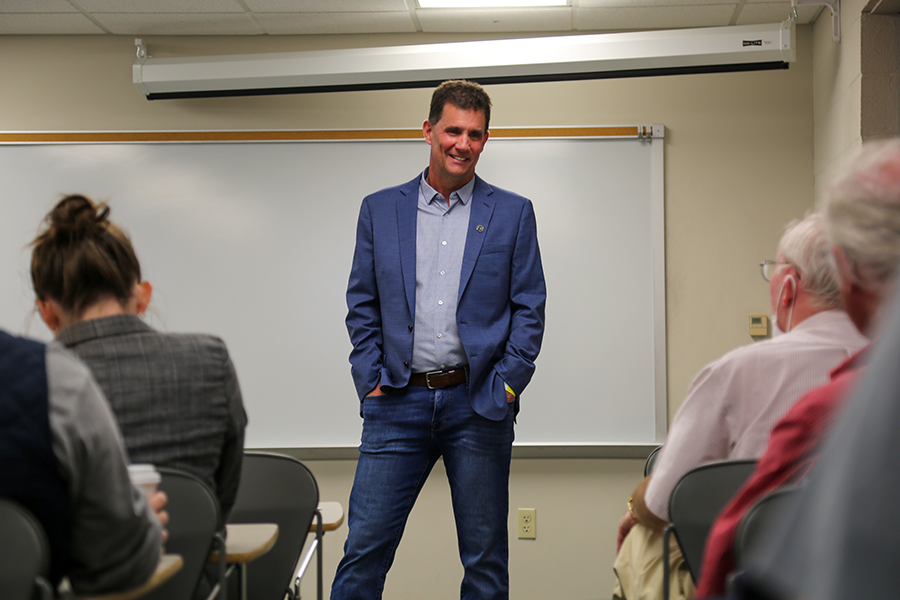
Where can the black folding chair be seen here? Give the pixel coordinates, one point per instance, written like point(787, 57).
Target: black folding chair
point(698, 498)
point(758, 520)
point(278, 489)
point(193, 520)
point(651, 460)
point(24, 554)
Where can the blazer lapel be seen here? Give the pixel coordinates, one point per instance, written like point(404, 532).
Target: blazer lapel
point(407, 206)
point(479, 221)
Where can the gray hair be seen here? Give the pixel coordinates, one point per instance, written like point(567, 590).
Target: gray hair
point(862, 213)
point(805, 246)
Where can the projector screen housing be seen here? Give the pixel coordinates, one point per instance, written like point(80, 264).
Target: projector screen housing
point(561, 58)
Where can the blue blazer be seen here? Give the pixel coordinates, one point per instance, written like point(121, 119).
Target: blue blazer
point(500, 311)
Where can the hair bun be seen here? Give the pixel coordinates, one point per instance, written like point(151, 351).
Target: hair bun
point(76, 217)
point(81, 257)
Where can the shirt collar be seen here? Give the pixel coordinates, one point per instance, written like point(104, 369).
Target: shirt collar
point(429, 193)
point(85, 331)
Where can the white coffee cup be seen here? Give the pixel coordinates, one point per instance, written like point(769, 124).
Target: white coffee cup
point(145, 477)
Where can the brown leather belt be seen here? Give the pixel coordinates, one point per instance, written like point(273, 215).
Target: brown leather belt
point(438, 379)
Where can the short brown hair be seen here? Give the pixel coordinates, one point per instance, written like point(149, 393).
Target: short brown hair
point(463, 94)
point(81, 257)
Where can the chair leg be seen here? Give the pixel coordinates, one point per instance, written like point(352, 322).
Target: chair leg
point(319, 534)
point(220, 590)
point(667, 532)
point(304, 564)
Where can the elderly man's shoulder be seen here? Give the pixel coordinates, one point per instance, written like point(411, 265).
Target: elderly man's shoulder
point(762, 351)
point(830, 332)
point(766, 356)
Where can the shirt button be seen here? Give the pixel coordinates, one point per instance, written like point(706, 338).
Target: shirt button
point(443, 273)
point(440, 302)
point(444, 243)
point(440, 335)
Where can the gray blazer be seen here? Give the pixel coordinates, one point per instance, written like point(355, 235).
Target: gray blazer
point(176, 396)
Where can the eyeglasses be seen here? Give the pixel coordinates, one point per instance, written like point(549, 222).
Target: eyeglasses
point(769, 267)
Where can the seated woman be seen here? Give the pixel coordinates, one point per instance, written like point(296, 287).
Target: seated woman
point(175, 396)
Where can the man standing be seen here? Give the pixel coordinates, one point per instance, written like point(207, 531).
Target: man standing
point(735, 401)
point(446, 317)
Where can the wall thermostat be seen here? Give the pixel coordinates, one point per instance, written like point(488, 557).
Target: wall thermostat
point(759, 325)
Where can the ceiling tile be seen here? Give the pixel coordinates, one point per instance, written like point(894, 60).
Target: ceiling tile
point(161, 6)
point(36, 6)
point(660, 17)
point(334, 23)
point(774, 12)
point(437, 20)
point(183, 24)
point(47, 24)
point(325, 6)
point(298, 17)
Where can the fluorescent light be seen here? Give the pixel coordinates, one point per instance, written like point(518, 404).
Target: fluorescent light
point(490, 3)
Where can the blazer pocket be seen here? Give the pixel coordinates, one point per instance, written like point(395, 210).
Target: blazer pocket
point(493, 264)
point(496, 248)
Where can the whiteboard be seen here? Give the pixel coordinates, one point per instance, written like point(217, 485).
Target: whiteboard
point(252, 242)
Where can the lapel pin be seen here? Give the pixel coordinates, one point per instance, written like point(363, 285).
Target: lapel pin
point(480, 228)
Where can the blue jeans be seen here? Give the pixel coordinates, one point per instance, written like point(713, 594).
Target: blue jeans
point(404, 433)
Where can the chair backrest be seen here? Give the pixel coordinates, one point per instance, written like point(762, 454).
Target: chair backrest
point(275, 489)
point(651, 460)
point(758, 519)
point(24, 553)
point(698, 498)
point(193, 517)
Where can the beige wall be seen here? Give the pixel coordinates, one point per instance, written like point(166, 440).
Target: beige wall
point(739, 164)
point(837, 95)
point(856, 85)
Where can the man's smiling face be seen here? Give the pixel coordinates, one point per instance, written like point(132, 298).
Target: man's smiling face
point(456, 141)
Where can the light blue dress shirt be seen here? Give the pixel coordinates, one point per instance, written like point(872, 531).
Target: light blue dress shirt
point(440, 242)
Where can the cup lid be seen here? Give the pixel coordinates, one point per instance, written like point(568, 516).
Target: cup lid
point(143, 473)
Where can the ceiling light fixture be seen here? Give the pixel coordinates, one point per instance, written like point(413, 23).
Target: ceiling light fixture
point(490, 3)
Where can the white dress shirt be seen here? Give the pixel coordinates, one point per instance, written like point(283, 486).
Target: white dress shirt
point(734, 402)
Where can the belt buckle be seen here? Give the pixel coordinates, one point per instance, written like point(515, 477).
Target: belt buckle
point(428, 378)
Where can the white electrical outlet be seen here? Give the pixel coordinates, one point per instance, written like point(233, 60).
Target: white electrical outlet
point(527, 524)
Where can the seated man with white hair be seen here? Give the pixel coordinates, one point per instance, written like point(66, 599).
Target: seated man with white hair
point(862, 222)
point(735, 401)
